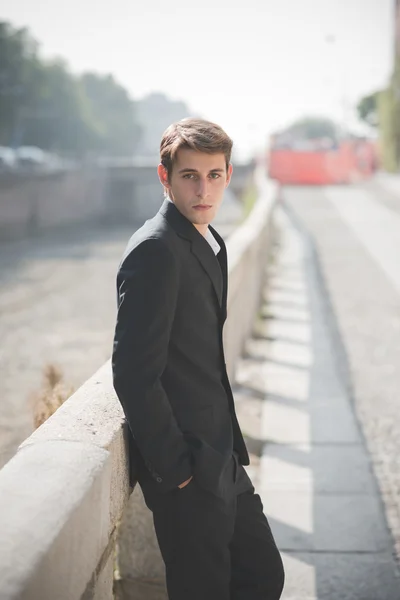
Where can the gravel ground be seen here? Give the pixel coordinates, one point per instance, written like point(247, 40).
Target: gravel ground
point(365, 310)
point(57, 305)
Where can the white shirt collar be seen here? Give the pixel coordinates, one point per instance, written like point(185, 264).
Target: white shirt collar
point(213, 242)
point(209, 237)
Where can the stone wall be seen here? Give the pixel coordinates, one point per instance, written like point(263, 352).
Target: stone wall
point(124, 192)
point(33, 202)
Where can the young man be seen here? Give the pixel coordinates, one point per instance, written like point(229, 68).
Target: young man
point(170, 376)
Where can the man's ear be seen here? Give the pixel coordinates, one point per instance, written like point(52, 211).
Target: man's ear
point(229, 175)
point(163, 175)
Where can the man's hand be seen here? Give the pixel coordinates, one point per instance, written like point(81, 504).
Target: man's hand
point(185, 482)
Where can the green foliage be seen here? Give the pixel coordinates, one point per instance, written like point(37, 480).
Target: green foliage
point(388, 111)
point(367, 109)
point(314, 127)
point(60, 118)
point(388, 141)
point(113, 112)
point(43, 104)
point(18, 65)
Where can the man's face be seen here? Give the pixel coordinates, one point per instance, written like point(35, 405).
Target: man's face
point(197, 184)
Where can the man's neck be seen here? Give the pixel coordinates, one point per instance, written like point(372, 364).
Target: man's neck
point(202, 229)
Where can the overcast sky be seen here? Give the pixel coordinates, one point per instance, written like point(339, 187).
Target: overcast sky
point(250, 65)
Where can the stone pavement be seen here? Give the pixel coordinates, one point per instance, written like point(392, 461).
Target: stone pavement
point(356, 233)
point(313, 473)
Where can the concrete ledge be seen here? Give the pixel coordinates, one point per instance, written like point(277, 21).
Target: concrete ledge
point(58, 512)
point(61, 497)
point(64, 493)
point(248, 249)
point(93, 415)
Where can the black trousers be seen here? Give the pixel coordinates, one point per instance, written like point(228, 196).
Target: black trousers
point(217, 548)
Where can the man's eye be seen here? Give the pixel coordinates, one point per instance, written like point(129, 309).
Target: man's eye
point(188, 176)
point(215, 175)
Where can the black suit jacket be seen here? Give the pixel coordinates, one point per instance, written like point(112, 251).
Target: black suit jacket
point(168, 362)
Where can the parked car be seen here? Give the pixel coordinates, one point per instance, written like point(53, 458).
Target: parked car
point(8, 160)
point(30, 156)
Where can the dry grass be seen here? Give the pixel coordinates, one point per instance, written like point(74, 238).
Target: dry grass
point(53, 394)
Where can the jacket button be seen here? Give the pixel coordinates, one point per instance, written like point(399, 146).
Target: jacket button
point(159, 480)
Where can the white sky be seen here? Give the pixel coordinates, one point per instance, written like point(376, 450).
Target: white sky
point(250, 65)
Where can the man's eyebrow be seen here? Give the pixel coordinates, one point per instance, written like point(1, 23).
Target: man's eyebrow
point(218, 170)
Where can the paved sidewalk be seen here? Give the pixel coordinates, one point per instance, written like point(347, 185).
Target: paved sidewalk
point(388, 181)
point(314, 473)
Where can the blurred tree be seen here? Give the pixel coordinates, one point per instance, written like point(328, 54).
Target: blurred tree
point(367, 109)
point(113, 112)
point(314, 127)
point(388, 106)
point(43, 104)
point(61, 117)
point(18, 63)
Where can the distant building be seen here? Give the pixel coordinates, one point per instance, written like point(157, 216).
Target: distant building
point(155, 112)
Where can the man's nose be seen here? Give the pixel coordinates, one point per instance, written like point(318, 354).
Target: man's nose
point(202, 188)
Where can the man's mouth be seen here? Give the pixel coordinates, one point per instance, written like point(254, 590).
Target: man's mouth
point(202, 206)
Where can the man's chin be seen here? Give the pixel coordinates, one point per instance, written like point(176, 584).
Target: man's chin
point(205, 219)
point(197, 221)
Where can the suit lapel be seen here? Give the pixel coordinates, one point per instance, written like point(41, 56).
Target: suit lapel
point(199, 246)
point(223, 263)
point(205, 255)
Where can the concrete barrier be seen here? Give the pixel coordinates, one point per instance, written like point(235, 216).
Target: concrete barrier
point(248, 247)
point(118, 192)
point(34, 202)
point(65, 502)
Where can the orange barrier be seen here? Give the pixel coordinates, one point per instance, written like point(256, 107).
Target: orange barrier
point(353, 160)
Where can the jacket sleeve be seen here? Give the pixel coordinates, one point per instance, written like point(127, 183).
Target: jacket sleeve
point(147, 295)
